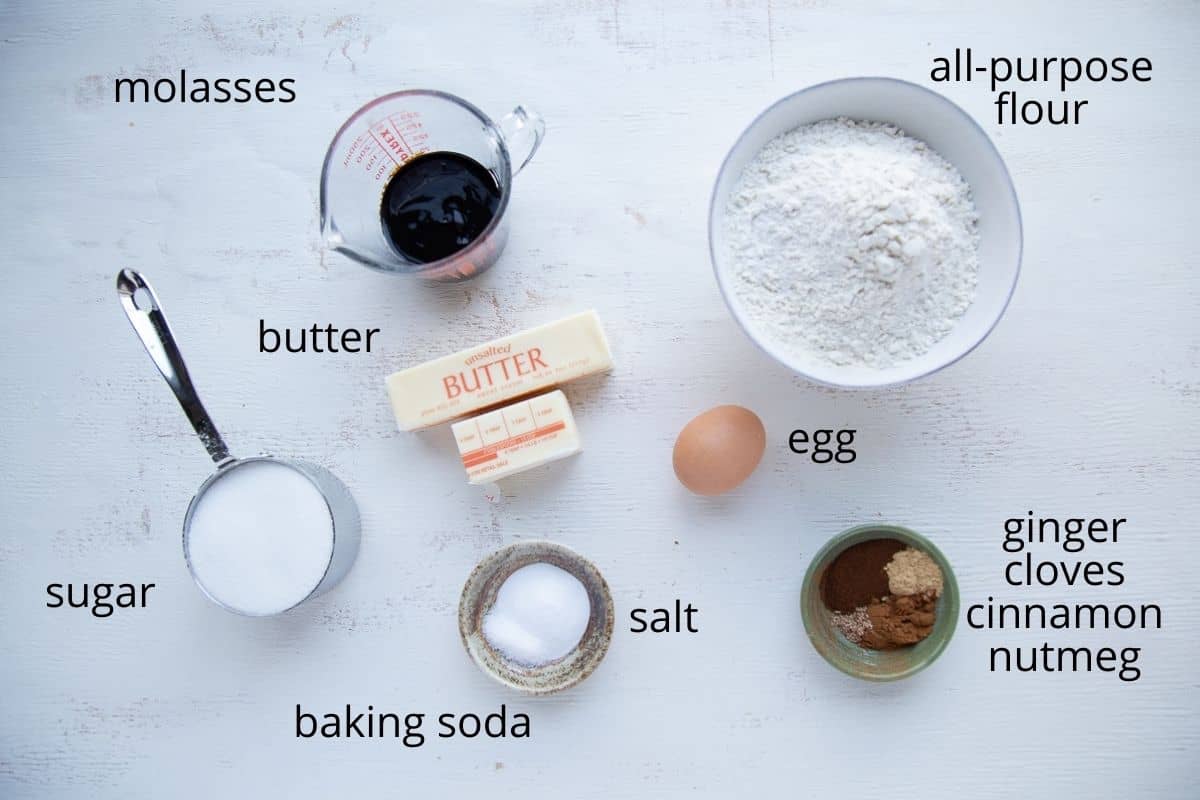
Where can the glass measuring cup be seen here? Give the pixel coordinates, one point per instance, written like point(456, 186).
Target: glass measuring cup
point(385, 134)
point(145, 313)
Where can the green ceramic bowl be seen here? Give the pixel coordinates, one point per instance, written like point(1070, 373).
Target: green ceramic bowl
point(861, 662)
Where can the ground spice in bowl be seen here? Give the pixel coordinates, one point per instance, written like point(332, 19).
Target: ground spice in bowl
point(857, 576)
point(882, 594)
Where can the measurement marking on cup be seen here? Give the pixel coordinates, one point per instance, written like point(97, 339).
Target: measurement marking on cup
point(351, 151)
point(396, 128)
point(390, 143)
point(383, 148)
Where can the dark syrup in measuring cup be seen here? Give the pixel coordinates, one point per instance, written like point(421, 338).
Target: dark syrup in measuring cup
point(436, 204)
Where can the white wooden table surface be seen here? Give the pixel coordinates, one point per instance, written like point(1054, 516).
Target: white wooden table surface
point(1082, 403)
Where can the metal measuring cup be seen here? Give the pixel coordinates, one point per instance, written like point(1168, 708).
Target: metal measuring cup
point(145, 313)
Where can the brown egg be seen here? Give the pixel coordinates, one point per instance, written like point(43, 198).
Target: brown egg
point(719, 449)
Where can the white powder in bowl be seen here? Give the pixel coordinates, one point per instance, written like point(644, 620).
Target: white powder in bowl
point(540, 614)
point(852, 242)
point(260, 538)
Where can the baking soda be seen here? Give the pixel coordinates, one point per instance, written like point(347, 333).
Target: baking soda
point(260, 538)
point(540, 614)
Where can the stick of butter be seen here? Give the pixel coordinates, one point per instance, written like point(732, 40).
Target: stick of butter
point(521, 436)
point(455, 386)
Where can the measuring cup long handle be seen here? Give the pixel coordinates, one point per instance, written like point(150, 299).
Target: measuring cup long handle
point(142, 307)
point(523, 130)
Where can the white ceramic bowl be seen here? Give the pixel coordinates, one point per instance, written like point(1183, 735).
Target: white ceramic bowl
point(922, 114)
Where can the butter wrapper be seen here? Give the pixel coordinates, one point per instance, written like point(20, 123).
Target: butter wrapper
point(500, 371)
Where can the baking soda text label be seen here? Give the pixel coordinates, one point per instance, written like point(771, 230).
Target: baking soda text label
point(412, 729)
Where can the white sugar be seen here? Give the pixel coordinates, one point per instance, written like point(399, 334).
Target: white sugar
point(540, 615)
point(260, 538)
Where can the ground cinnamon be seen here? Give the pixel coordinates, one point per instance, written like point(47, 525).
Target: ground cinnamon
point(900, 620)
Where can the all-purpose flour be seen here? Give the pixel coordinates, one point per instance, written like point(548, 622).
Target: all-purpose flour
point(853, 242)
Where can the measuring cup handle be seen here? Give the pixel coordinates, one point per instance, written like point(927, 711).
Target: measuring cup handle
point(523, 131)
point(142, 307)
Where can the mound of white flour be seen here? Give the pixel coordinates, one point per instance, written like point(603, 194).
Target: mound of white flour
point(853, 242)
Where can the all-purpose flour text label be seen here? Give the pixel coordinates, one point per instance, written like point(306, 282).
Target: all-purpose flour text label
point(1059, 73)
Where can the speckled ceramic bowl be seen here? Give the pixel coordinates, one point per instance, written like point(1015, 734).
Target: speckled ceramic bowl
point(861, 662)
point(479, 594)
